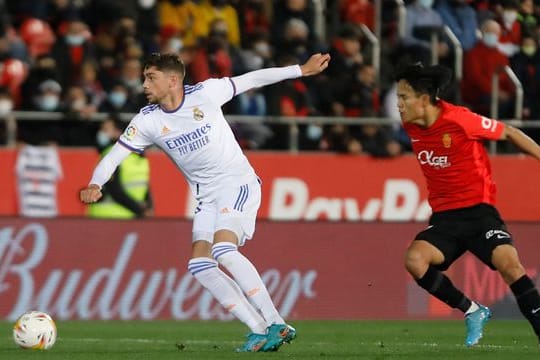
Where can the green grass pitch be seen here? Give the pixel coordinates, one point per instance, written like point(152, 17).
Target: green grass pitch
point(503, 339)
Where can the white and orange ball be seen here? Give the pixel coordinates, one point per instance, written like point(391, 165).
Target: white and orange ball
point(34, 330)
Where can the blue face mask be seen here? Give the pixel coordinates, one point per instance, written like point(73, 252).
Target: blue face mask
point(426, 3)
point(490, 39)
point(49, 102)
point(314, 132)
point(75, 40)
point(117, 98)
point(102, 139)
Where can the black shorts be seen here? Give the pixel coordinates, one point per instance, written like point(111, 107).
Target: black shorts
point(478, 229)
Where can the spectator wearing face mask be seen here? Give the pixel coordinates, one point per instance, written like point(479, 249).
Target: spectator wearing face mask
point(526, 65)
point(285, 10)
point(212, 10)
point(47, 98)
point(44, 68)
point(117, 100)
point(480, 63)
point(296, 41)
point(510, 38)
point(127, 194)
point(71, 51)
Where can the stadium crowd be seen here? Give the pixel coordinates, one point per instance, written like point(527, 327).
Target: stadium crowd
point(80, 57)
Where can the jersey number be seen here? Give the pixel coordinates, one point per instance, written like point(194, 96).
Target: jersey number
point(489, 124)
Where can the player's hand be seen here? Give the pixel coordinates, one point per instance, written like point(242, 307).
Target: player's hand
point(91, 194)
point(315, 65)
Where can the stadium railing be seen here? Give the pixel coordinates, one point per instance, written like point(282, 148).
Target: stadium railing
point(291, 122)
point(518, 101)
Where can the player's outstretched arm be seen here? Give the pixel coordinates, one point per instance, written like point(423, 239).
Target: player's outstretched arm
point(521, 140)
point(315, 64)
point(103, 172)
point(258, 78)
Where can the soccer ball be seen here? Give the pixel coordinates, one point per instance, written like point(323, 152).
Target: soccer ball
point(34, 330)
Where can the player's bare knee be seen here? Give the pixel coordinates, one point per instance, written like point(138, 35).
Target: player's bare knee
point(511, 272)
point(225, 236)
point(201, 248)
point(415, 260)
point(506, 261)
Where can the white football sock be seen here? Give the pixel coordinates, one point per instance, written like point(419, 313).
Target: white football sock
point(248, 278)
point(226, 292)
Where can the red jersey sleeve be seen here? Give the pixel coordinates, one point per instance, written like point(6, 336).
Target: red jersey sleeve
point(478, 127)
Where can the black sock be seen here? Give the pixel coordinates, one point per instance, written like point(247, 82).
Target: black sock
point(440, 286)
point(528, 301)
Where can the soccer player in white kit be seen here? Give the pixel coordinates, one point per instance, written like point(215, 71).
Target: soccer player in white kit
point(187, 123)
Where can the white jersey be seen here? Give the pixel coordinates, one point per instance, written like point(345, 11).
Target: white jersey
point(196, 135)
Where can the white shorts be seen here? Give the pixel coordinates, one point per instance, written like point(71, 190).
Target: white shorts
point(233, 208)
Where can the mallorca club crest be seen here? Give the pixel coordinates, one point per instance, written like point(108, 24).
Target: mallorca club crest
point(198, 115)
point(446, 140)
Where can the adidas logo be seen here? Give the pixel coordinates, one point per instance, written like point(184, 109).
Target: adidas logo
point(224, 211)
point(165, 130)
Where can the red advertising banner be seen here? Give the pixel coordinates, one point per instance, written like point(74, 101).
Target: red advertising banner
point(302, 187)
point(89, 269)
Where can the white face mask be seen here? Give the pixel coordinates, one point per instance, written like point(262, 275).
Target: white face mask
point(175, 44)
point(426, 3)
point(509, 17)
point(117, 98)
point(6, 106)
point(262, 48)
point(314, 132)
point(102, 138)
point(49, 102)
point(75, 40)
point(146, 4)
point(490, 39)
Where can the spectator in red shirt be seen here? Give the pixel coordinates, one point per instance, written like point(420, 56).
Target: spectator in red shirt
point(511, 33)
point(480, 63)
point(447, 140)
point(71, 51)
point(291, 99)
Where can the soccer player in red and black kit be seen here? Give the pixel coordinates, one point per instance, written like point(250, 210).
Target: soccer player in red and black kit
point(448, 143)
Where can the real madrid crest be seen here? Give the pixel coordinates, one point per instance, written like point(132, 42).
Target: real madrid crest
point(447, 140)
point(198, 114)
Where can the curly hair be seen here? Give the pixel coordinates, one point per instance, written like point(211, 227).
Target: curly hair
point(165, 62)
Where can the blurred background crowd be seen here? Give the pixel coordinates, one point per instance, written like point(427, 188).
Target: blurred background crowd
point(83, 57)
